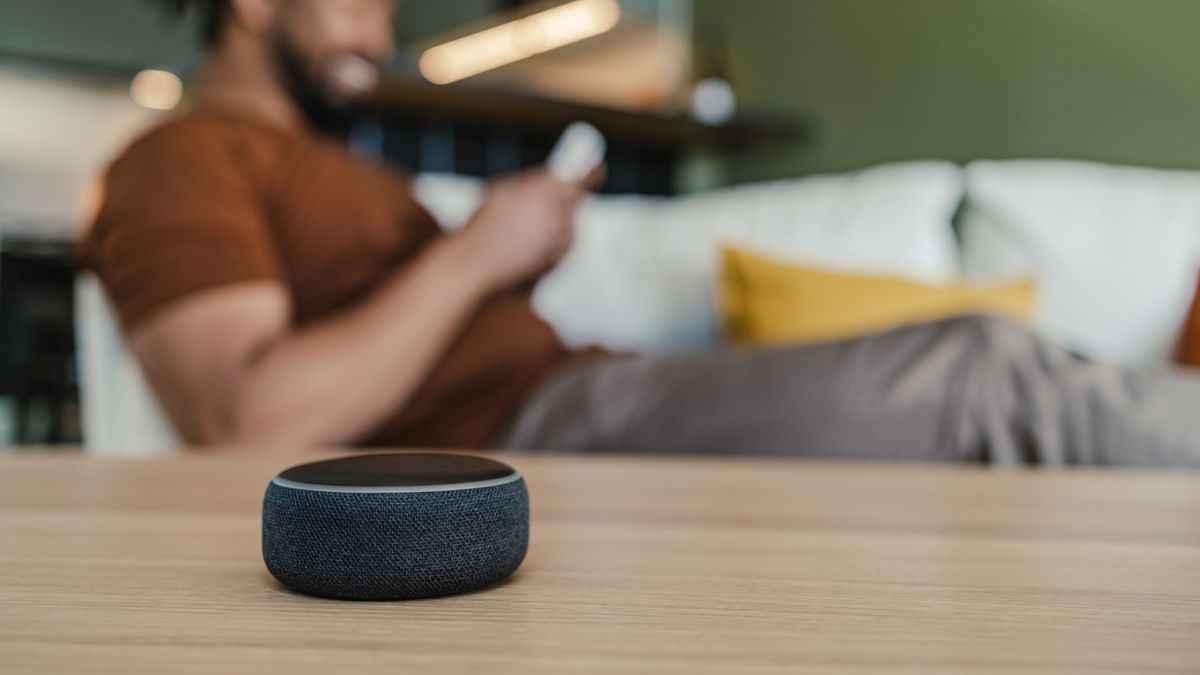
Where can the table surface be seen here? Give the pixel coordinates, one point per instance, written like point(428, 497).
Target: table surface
point(635, 565)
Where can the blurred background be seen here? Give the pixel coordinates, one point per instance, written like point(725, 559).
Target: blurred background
point(693, 95)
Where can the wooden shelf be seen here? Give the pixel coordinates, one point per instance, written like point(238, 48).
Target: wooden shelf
point(531, 114)
point(403, 97)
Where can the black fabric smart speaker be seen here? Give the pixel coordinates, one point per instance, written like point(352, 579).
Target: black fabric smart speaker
point(395, 526)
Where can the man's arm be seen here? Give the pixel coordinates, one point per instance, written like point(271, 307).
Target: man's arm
point(229, 368)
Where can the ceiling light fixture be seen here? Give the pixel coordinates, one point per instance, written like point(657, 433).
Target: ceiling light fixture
point(518, 39)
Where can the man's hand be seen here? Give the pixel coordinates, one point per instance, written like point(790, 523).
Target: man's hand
point(523, 228)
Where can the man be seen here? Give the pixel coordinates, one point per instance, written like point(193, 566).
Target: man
point(279, 293)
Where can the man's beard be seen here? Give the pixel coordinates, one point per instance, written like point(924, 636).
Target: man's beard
point(325, 114)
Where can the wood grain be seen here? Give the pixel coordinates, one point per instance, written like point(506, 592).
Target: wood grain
point(635, 565)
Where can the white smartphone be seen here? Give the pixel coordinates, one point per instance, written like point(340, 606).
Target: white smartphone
point(579, 150)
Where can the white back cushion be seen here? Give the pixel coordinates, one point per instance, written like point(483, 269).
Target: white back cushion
point(121, 416)
point(1113, 249)
point(451, 199)
point(642, 274)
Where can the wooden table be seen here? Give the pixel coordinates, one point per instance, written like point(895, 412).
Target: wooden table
point(635, 565)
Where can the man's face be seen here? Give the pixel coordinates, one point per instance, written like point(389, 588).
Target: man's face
point(330, 52)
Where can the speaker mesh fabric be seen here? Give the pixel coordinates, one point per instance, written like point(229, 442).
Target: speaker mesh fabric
point(394, 545)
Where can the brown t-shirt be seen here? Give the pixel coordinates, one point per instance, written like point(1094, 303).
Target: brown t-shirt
point(211, 198)
point(1189, 337)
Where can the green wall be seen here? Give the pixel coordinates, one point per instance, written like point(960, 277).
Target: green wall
point(123, 33)
point(882, 80)
point(1109, 80)
point(136, 34)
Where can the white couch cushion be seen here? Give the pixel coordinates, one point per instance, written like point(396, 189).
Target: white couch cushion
point(121, 416)
point(643, 271)
point(451, 199)
point(1113, 249)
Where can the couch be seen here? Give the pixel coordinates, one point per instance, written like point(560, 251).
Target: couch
point(1114, 252)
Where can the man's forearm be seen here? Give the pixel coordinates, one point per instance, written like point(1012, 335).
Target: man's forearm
point(335, 381)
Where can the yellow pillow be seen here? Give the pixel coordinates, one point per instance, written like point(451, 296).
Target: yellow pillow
point(766, 302)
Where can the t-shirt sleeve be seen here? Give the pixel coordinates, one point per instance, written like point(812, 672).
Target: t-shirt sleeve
point(1189, 339)
point(182, 213)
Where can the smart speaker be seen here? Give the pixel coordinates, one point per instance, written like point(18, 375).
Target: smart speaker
point(395, 526)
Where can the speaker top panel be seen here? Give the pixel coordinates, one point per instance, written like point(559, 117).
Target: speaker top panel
point(398, 472)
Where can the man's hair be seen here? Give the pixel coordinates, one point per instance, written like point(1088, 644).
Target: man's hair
point(210, 12)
